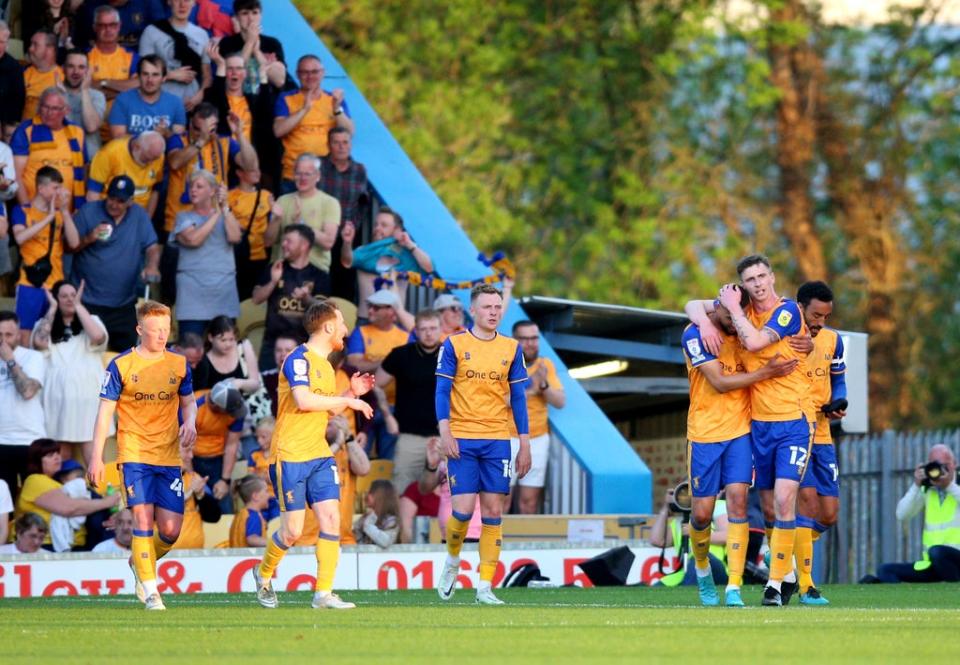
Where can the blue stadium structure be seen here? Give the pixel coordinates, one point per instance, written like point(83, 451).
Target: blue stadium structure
point(617, 480)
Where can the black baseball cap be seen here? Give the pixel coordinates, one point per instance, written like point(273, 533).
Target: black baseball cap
point(121, 188)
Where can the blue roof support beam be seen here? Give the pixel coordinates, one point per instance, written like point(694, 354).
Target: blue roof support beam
point(603, 346)
point(619, 481)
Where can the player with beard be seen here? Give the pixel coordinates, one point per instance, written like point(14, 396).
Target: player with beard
point(718, 445)
point(304, 473)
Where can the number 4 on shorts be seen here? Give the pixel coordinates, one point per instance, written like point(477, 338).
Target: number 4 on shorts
point(177, 486)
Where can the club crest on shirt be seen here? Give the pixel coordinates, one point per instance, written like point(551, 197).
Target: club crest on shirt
point(106, 380)
point(466, 355)
point(694, 350)
point(784, 318)
point(172, 378)
point(300, 369)
point(135, 378)
point(504, 362)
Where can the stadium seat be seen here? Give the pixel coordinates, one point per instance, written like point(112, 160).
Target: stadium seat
point(349, 311)
point(215, 533)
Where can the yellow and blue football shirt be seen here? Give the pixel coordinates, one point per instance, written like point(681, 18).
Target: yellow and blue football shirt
point(824, 364)
point(714, 416)
point(36, 247)
point(481, 371)
point(147, 392)
point(115, 159)
point(247, 523)
point(781, 398)
point(212, 428)
point(311, 133)
point(301, 436)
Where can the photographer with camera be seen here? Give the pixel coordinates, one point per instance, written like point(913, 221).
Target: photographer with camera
point(936, 493)
point(672, 529)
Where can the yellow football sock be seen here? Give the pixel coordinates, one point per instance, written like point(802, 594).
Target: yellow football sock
point(700, 544)
point(738, 536)
point(456, 531)
point(768, 530)
point(781, 549)
point(491, 538)
point(161, 546)
point(328, 555)
point(803, 551)
point(144, 557)
point(271, 558)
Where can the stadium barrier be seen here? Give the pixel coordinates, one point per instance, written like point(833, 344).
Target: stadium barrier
point(875, 471)
point(361, 567)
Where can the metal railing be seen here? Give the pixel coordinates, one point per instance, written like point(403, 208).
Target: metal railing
point(875, 471)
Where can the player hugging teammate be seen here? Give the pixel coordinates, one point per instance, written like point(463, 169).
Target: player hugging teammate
point(759, 367)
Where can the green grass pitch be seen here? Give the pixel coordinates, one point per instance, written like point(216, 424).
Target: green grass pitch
point(904, 624)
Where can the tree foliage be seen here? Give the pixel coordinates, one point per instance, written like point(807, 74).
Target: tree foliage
point(631, 151)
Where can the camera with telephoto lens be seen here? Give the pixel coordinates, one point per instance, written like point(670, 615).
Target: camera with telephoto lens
point(682, 501)
point(933, 472)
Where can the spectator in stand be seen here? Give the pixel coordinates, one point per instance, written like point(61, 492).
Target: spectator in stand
point(411, 369)
point(183, 47)
point(113, 66)
point(226, 358)
point(73, 341)
point(12, 89)
point(43, 495)
point(308, 205)
point(64, 531)
point(203, 149)
point(190, 345)
point(134, 17)
point(380, 524)
point(259, 460)
point(220, 414)
point(54, 16)
point(251, 205)
point(262, 55)
point(117, 247)
point(249, 526)
point(6, 508)
point(304, 117)
point(352, 462)
point(43, 71)
point(31, 531)
point(434, 477)
point(287, 287)
point(392, 249)
point(206, 273)
point(413, 504)
point(367, 346)
point(8, 177)
point(346, 181)
point(282, 346)
point(122, 534)
point(48, 139)
point(450, 309)
point(88, 106)
point(140, 158)
point(543, 388)
point(40, 229)
point(21, 378)
point(255, 108)
point(147, 106)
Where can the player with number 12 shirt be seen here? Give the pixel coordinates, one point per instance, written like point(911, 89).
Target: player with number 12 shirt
point(147, 386)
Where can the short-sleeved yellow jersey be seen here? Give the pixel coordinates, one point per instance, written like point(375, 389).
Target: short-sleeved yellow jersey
point(301, 436)
point(115, 159)
point(782, 398)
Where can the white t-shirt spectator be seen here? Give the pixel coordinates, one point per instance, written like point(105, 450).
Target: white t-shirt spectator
point(22, 420)
point(6, 501)
point(10, 548)
point(109, 547)
point(155, 41)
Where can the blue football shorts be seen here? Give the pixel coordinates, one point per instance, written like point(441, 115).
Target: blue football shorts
point(484, 466)
point(780, 450)
point(161, 486)
point(824, 472)
point(713, 466)
point(301, 484)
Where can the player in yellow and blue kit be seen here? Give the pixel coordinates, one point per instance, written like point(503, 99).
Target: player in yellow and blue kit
point(719, 454)
point(477, 370)
point(780, 432)
point(146, 387)
point(303, 471)
point(819, 499)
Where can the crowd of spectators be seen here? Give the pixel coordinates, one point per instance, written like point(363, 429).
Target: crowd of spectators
point(141, 150)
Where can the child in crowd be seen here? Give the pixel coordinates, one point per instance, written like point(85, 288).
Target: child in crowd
point(380, 525)
point(259, 461)
point(63, 529)
point(249, 527)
